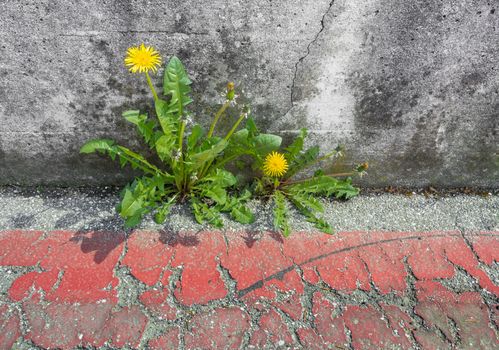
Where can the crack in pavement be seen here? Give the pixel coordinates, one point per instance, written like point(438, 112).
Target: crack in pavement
point(280, 274)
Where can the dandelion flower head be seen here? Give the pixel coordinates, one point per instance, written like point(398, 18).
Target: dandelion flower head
point(142, 59)
point(275, 165)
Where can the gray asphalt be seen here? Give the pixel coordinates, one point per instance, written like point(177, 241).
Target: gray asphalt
point(87, 210)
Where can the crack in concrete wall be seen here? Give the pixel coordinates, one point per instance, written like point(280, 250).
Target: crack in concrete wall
point(302, 58)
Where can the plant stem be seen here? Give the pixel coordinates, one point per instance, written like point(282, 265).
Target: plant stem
point(155, 95)
point(227, 137)
point(181, 136)
point(276, 184)
point(325, 156)
point(180, 148)
point(241, 117)
point(217, 116)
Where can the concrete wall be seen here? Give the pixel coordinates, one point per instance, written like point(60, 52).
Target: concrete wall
point(410, 86)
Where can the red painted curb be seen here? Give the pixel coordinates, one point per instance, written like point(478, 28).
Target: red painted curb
point(214, 290)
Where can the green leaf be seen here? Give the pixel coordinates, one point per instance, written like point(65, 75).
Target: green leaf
point(133, 221)
point(167, 120)
point(125, 155)
point(196, 133)
point(281, 214)
point(251, 127)
point(222, 178)
point(101, 145)
point(266, 143)
point(200, 159)
point(242, 214)
point(217, 193)
point(130, 204)
point(237, 209)
point(164, 146)
point(176, 84)
point(132, 116)
point(145, 127)
point(202, 213)
point(302, 160)
point(163, 211)
point(307, 205)
point(136, 160)
point(246, 142)
point(307, 201)
point(325, 185)
point(345, 189)
point(296, 146)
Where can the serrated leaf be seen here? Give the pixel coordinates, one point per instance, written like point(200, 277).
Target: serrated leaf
point(176, 84)
point(202, 213)
point(242, 214)
point(251, 127)
point(125, 155)
point(302, 160)
point(345, 189)
point(132, 221)
point(133, 116)
point(218, 194)
point(145, 127)
point(244, 142)
point(163, 211)
point(281, 214)
point(100, 145)
point(308, 201)
point(296, 146)
point(164, 146)
point(306, 204)
point(138, 160)
point(327, 186)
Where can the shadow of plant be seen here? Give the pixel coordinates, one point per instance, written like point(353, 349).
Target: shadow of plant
point(100, 242)
point(172, 238)
point(252, 237)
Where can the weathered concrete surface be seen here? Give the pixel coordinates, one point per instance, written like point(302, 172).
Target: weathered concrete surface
point(411, 87)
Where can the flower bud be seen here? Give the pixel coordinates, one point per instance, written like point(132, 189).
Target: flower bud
point(230, 90)
point(362, 167)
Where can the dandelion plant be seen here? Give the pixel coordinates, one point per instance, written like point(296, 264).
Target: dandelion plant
point(191, 163)
point(278, 183)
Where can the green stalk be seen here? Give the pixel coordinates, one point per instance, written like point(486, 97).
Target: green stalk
point(151, 86)
point(181, 135)
point(180, 148)
point(227, 137)
point(217, 116)
point(241, 117)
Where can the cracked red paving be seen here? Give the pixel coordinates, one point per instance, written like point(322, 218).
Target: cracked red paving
point(213, 290)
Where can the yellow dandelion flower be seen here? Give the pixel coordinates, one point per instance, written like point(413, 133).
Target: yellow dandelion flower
point(275, 165)
point(142, 59)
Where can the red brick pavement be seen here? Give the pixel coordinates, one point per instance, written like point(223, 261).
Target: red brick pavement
point(210, 290)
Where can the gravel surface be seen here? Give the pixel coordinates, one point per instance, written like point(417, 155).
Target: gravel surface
point(93, 209)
